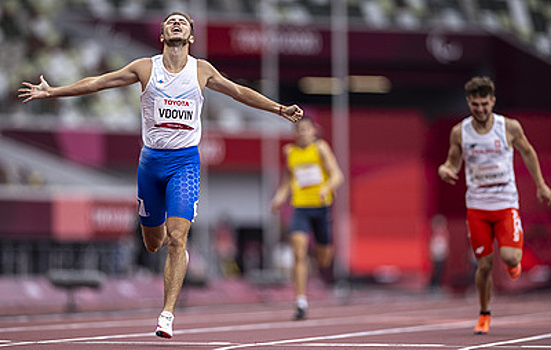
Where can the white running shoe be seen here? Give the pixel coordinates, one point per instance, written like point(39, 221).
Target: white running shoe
point(164, 325)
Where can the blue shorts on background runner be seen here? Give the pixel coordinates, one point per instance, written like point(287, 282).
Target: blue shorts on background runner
point(168, 184)
point(317, 220)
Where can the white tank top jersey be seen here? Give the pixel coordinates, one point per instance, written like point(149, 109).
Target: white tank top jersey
point(489, 170)
point(171, 107)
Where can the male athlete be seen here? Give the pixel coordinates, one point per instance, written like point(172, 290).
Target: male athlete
point(485, 141)
point(312, 176)
point(168, 171)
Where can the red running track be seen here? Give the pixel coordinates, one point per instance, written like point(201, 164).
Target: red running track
point(379, 321)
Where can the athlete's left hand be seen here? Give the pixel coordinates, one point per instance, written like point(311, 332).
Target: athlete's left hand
point(544, 194)
point(324, 194)
point(292, 113)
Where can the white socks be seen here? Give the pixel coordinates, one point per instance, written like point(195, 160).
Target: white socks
point(302, 302)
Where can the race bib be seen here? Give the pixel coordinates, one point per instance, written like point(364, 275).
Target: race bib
point(308, 175)
point(174, 113)
point(490, 174)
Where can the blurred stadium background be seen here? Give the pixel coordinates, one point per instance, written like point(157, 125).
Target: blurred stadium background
point(383, 78)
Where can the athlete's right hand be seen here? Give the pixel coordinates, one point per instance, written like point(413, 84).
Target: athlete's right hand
point(277, 202)
point(544, 194)
point(447, 175)
point(32, 92)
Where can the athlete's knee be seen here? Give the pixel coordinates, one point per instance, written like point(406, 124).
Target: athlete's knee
point(300, 253)
point(514, 261)
point(152, 247)
point(153, 238)
point(177, 240)
point(511, 257)
point(324, 262)
point(484, 270)
point(324, 255)
point(177, 232)
point(485, 265)
point(299, 245)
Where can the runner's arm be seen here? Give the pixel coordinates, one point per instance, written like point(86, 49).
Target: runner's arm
point(215, 81)
point(282, 192)
point(128, 75)
point(449, 170)
point(284, 189)
point(334, 172)
point(530, 158)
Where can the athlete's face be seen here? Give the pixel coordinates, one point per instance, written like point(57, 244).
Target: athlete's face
point(176, 31)
point(305, 132)
point(481, 107)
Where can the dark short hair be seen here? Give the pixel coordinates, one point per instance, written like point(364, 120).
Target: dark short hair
point(187, 17)
point(480, 87)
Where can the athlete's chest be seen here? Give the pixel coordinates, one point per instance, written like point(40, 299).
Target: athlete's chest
point(301, 156)
point(493, 143)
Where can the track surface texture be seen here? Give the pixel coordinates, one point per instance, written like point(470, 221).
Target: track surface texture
point(382, 320)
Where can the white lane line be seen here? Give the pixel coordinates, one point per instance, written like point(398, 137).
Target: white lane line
point(398, 330)
point(84, 325)
point(261, 326)
point(506, 342)
point(68, 340)
point(380, 318)
point(114, 324)
point(245, 327)
point(285, 325)
point(320, 345)
point(373, 345)
point(234, 317)
point(452, 325)
point(157, 343)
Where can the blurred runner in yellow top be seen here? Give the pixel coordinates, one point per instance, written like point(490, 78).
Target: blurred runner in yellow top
point(308, 176)
point(312, 176)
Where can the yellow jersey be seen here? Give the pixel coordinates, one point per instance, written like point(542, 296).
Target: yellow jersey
point(308, 175)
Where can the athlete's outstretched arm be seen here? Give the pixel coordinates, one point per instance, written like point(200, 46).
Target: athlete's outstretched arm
point(449, 170)
point(530, 158)
point(130, 74)
point(211, 78)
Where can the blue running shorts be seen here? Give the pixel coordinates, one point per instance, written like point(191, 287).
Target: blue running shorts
point(168, 184)
point(316, 220)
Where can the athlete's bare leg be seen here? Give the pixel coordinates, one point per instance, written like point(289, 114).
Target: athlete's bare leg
point(154, 238)
point(483, 281)
point(176, 262)
point(324, 255)
point(511, 256)
point(299, 244)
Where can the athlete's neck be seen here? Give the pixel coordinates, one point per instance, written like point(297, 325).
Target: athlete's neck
point(483, 126)
point(303, 143)
point(175, 58)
